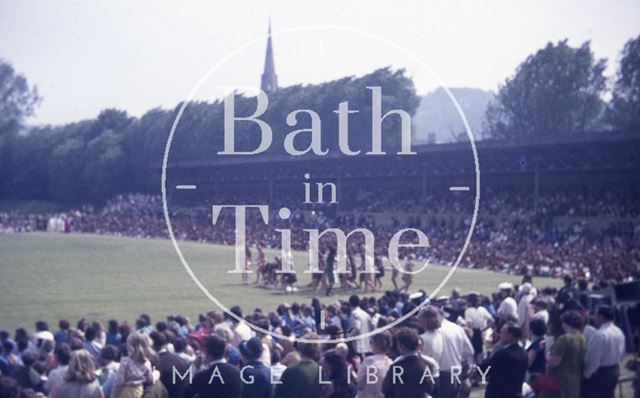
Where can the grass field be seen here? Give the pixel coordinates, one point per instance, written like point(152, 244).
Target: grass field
point(54, 276)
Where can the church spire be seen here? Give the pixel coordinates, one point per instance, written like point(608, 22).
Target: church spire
point(269, 81)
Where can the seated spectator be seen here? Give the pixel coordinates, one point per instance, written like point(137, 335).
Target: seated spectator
point(26, 375)
point(255, 374)
point(63, 335)
point(113, 336)
point(91, 343)
point(9, 387)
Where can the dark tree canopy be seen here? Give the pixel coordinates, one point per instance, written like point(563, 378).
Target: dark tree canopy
point(94, 160)
point(624, 110)
point(557, 90)
point(200, 131)
point(17, 99)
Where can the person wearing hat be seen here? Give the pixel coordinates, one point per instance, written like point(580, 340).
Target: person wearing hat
point(254, 374)
point(508, 309)
point(525, 308)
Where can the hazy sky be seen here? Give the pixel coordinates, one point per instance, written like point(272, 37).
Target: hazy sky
point(85, 56)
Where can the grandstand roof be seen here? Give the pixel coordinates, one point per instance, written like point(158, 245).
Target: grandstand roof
point(565, 153)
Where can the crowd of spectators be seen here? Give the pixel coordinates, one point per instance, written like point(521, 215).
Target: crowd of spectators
point(513, 244)
point(520, 341)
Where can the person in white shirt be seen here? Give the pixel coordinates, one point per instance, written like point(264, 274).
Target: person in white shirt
point(359, 324)
point(540, 310)
point(508, 309)
point(478, 319)
point(375, 365)
point(241, 331)
point(449, 345)
point(527, 280)
point(42, 334)
point(525, 310)
point(605, 351)
point(277, 368)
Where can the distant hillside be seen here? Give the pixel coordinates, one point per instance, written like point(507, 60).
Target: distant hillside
point(437, 114)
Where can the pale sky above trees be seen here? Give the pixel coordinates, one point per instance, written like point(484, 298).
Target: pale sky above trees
point(85, 56)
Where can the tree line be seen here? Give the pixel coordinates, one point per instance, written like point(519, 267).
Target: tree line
point(557, 90)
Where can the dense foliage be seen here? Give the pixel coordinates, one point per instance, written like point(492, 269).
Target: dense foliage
point(557, 90)
point(624, 110)
point(93, 160)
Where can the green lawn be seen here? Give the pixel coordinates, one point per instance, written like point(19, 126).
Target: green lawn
point(54, 276)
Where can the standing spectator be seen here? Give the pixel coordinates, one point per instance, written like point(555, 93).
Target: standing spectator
point(336, 371)
point(56, 376)
point(478, 319)
point(410, 367)
point(9, 361)
point(359, 324)
point(568, 296)
point(449, 345)
point(605, 351)
point(135, 369)
point(109, 370)
point(375, 367)
point(277, 368)
point(566, 357)
point(219, 379)
point(167, 363)
point(254, 374)
point(525, 310)
point(331, 279)
point(508, 309)
point(78, 381)
point(540, 310)
point(508, 366)
point(303, 378)
point(538, 347)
